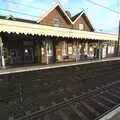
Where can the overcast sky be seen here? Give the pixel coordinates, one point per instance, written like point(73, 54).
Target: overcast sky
point(102, 19)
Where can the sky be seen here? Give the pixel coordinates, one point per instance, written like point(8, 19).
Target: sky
point(103, 20)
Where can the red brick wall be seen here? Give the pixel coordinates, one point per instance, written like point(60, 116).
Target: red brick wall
point(56, 14)
point(58, 19)
point(81, 20)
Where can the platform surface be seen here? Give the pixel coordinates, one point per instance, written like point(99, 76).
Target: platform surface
point(56, 65)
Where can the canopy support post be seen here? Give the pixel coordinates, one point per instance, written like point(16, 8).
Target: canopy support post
point(2, 55)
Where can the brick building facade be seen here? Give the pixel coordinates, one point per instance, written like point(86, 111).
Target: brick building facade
point(55, 37)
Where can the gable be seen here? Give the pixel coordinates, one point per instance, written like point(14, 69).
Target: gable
point(56, 18)
point(82, 19)
point(76, 16)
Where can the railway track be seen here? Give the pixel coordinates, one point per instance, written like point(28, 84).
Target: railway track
point(88, 106)
point(79, 92)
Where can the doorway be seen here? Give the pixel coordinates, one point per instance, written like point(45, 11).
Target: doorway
point(28, 55)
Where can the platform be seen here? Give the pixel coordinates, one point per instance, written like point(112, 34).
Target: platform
point(56, 65)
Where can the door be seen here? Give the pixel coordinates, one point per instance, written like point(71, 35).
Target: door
point(28, 55)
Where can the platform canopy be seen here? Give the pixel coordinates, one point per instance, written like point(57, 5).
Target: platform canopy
point(30, 28)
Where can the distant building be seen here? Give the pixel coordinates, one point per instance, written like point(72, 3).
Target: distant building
point(55, 37)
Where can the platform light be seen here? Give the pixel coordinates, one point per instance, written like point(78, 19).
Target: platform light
point(26, 50)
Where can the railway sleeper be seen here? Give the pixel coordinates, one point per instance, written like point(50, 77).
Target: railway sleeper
point(96, 106)
point(113, 98)
point(108, 100)
point(81, 107)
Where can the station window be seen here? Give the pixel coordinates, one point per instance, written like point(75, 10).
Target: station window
point(70, 50)
point(81, 26)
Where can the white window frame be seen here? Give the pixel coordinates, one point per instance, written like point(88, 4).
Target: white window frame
point(81, 26)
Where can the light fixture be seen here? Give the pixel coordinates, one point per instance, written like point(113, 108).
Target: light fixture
point(26, 50)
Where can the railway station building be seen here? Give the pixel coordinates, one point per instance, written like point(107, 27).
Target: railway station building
point(54, 37)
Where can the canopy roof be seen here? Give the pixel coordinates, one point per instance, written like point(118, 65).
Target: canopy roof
point(30, 28)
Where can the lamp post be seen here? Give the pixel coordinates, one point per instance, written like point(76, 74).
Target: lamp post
point(118, 48)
